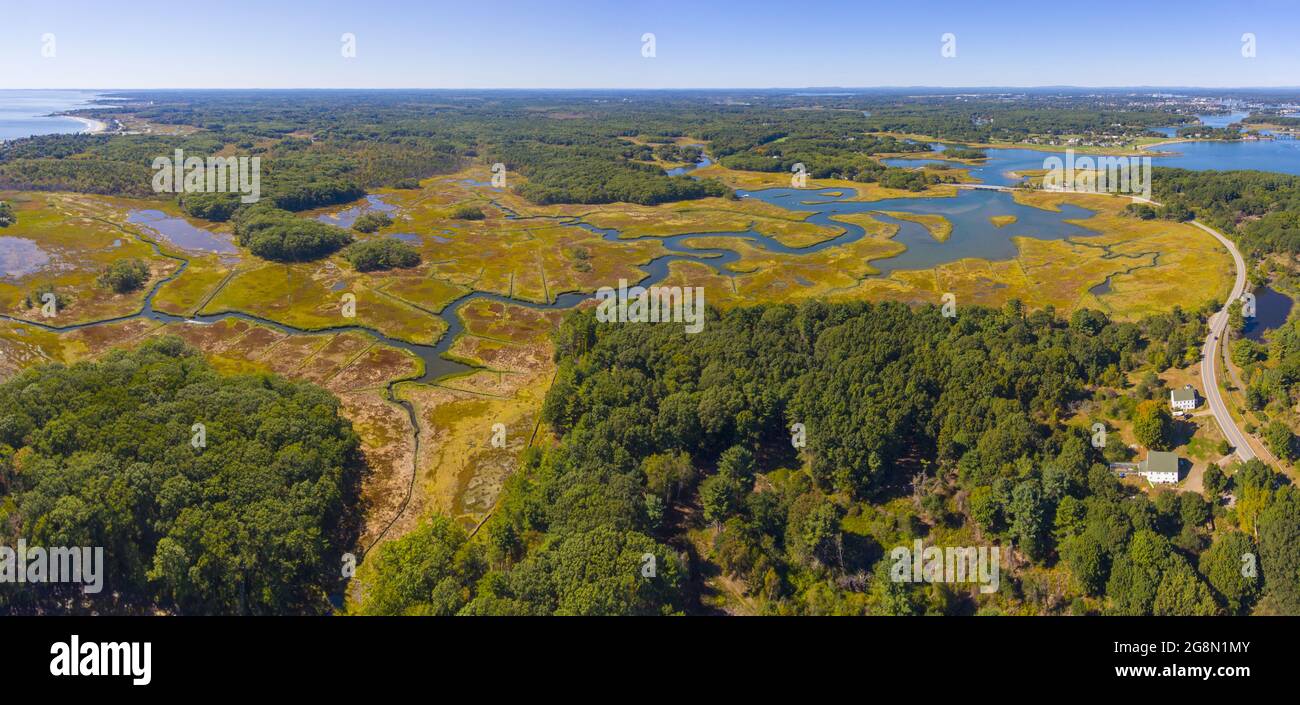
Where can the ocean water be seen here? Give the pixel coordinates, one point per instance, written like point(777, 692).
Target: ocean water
point(26, 113)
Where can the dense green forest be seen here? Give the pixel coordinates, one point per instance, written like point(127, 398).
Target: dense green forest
point(275, 234)
point(1267, 118)
point(321, 148)
point(592, 173)
point(1214, 133)
point(209, 494)
point(381, 253)
point(831, 146)
point(1271, 373)
point(124, 275)
point(372, 221)
point(918, 427)
point(1014, 120)
point(1262, 209)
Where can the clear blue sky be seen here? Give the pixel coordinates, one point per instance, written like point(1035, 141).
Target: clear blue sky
point(597, 44)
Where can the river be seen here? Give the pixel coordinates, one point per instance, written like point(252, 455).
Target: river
point(973, 235)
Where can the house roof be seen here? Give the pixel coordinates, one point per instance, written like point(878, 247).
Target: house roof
point(1160, 461)
point(1183, 394)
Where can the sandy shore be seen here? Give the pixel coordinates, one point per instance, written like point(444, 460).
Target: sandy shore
point(1165, 143)
point(92, 126)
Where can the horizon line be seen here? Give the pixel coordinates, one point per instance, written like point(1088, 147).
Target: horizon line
point(681, 88)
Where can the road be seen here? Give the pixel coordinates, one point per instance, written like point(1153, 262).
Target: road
point(1210, 359)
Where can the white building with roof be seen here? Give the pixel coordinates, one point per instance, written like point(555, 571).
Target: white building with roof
point(1160, 468)
point(1183, 399)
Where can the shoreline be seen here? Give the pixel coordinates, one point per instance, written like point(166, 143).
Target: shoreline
point(93, 126)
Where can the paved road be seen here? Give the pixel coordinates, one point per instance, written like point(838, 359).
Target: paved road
point(1210, 360)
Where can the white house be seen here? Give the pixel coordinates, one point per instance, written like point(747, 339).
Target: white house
point(1183, 399)
point(1159, 468)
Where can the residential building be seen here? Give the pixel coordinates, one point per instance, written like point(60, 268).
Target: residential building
point(1159, 468)
point(1183, 399)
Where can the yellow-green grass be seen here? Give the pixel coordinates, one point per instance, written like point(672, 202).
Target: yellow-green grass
point(539, 262)
point(940, 228)
point(80, 245)
point(1001, 221)
point(681, 141)
point(187, 293)
point(763, 276)
point(710, 215)
point(22, 346)
point(429, 213)
point(874, 226)
point(302, 296)
point(1152, 266)
point(533, 259)
point(428, 293)
point(1192, 266)
point(438, 196)
point(461, 472)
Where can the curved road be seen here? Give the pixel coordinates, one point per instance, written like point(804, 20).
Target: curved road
point(1210, 358)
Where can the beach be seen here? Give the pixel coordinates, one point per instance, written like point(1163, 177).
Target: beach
point(92, 126)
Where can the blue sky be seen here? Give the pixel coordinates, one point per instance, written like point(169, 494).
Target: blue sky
point(597, 44)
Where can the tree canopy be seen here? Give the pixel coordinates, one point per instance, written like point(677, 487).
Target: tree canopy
point(208, 494)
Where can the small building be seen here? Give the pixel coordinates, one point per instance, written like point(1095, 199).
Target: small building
point(1160, 468)
point(1183, 399)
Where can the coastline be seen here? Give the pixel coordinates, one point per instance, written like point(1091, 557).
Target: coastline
point(93, 126)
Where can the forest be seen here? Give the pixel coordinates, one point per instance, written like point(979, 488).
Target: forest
point(275, 234)
point(210, 494)
point(321, 148)
point(381, 253)
point(676, 451)
point(1261, 209)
